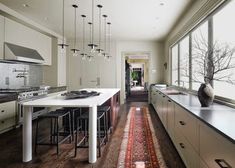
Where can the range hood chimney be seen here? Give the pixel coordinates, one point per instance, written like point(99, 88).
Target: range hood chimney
point(18, 53)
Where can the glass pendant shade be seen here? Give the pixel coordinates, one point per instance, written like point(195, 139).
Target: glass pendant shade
point(105, 43)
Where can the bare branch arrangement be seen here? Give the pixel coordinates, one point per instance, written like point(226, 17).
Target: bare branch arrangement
point(212, 62)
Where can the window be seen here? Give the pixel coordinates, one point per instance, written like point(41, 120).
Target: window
point(199, 42)
point(224, 37)
point(207, 42)
point(184, 62)
point(174, 54)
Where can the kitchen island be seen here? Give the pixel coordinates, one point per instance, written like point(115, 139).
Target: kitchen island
point(111, 95)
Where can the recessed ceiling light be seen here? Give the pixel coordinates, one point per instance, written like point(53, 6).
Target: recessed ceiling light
point(161, 3)
point(25, 5)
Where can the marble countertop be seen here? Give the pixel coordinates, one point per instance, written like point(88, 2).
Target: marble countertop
point(219, 117)
point(60, 101)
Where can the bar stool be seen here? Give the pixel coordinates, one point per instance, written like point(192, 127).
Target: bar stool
point(55, 132)
point(106, 110)
point(82, 122)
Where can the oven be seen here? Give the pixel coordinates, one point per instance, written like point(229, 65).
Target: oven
point(28, 96)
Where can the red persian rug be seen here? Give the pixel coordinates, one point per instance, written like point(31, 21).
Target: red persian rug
point(140, 148)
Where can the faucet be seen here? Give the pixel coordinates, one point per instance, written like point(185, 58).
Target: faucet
point(183, 82)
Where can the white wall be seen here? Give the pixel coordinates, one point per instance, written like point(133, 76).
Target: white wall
point(155, 49)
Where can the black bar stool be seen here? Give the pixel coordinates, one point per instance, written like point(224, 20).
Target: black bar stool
point(102, 133)
point(55, 132)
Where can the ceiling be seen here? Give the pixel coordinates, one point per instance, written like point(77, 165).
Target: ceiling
point(145, 20)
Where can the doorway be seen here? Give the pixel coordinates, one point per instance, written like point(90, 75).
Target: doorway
point(136, 77)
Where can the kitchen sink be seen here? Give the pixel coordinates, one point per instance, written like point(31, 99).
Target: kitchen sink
point(175, 92)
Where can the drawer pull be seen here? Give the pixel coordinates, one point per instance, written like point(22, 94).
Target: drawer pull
point(163, 96)
point(182, 123)
point(2, 122)
point(3, 111)
point(169, 100)
point(222, 163)
point(182, 145)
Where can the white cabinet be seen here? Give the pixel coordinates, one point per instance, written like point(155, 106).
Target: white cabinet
point(55, 75)
point(1, 36)
point(187, 125)
point(61, 61)
point(7, 115)
point(215, 150)
point(171, 118)
point(21, 35)
point(186, 151)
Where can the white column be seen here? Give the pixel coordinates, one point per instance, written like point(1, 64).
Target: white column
point(27, 134)
point(92, 134)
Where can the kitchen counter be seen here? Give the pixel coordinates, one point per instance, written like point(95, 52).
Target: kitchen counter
point(219, 117)
point(7, 97)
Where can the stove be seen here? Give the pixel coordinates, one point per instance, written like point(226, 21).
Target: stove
point(25, 95)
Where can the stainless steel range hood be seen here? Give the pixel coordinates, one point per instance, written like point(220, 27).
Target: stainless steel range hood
point(18, 53)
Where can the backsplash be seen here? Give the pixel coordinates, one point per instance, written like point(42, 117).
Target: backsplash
point(16, 75)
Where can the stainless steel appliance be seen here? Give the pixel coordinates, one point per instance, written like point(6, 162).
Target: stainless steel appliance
point(27, 96)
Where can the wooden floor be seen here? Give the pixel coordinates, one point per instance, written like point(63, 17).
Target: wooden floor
point(11, 148)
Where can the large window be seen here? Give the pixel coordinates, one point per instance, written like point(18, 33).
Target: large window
point(199, 46)
point(184, 62)
point(224, 37)
point(174, 57)
point(208, 51)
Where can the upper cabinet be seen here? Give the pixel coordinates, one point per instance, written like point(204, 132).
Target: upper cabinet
point(21, 35)
point(1, 36)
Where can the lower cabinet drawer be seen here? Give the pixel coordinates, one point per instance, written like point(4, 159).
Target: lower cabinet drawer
point(215, 150)
point(7, 123)
point(186, 151)
point(188, 126)
point(7, 110)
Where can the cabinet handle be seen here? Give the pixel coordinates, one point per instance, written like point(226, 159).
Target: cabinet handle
point(169, 100)
point(3, 122)
point(182, 123)
point(222, 163)
point(182, 145)
point(164, 96)
point(3, 111)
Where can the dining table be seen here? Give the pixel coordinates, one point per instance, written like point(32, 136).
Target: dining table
point(57, 101)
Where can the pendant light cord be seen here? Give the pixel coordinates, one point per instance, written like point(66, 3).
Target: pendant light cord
point(105, 32)
point(75, 28)
point(63, 22)
point(92, 36)
point(83, 39)
point(100, 27)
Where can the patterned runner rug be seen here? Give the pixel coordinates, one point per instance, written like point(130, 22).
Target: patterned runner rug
point(140, 148)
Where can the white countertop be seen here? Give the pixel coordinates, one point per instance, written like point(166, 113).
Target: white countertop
point(59, 101)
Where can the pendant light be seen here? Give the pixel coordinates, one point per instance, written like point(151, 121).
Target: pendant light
point(92, 45)
point(75, 50)
point(99, 50)
point(109, 41)
point(63, 45)
point(83, 54)
point(105, 23)
point(90, 56)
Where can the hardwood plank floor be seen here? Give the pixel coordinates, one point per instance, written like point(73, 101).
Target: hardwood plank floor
point(11, 148)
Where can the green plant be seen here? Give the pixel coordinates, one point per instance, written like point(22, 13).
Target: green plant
point(134, 75)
